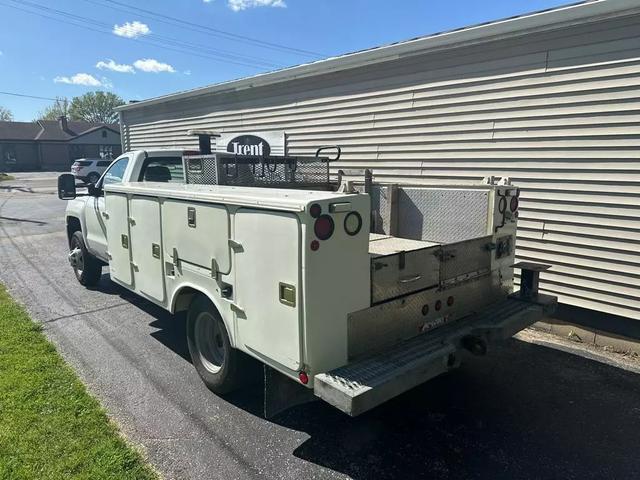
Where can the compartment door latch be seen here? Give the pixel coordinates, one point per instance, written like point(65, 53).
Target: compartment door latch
point(287, 294)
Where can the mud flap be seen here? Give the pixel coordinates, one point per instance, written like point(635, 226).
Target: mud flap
point(281, 393)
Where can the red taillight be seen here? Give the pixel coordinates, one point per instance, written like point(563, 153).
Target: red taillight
point(315, 210)
point(514, 204)
point(323, 227)
point(315, 245)
point(304, 378)
point(438, 305)
point(449, 301)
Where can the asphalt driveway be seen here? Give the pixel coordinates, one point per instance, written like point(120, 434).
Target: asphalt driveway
point(525, 411)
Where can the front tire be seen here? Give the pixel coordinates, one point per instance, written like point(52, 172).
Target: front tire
point(212, 355)
point(86, 267)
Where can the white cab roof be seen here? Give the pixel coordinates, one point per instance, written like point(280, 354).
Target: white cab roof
point(275, 198)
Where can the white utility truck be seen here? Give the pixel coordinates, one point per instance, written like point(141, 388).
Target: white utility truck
point(354, 290)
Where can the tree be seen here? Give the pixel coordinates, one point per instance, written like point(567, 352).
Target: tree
point(59, 108)
point(95, 107)
point(5, 115)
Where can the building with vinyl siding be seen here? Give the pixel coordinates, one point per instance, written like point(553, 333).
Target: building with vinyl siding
point(550, 99)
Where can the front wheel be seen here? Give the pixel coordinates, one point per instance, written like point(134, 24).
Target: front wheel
point(86, 267)
point(212, 355)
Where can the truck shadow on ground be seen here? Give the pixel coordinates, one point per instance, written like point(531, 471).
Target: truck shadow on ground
point(524, 411)
point(170, 329)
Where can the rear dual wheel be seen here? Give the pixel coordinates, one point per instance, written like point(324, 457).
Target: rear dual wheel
point(219, 365)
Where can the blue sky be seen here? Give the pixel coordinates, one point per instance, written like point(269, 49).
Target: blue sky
point(69, 47)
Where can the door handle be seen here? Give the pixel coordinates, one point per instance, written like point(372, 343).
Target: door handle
point(105, 215)
point(410, 279)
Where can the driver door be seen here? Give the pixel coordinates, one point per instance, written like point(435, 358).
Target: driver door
point(96, 234)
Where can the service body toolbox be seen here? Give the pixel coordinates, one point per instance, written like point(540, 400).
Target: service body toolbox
point(283, 267)
point(301, 284)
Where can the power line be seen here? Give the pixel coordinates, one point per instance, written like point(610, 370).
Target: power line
point(162, 42)
point(161, 38)
point(28, 96)
point(215, 31)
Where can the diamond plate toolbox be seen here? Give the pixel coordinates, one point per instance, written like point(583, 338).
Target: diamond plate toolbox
point(426, 213)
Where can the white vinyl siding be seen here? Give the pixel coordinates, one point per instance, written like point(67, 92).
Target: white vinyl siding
point(557, 112)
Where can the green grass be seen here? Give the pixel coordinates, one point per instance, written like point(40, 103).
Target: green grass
point(4, 176)
point(50, 427)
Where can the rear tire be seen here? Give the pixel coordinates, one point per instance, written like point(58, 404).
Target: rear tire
point(86, 267)
point(215, 360)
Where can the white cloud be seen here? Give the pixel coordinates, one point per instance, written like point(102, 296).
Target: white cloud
point(152, 65)
point(187, 72)
point(82, 79)
point(131, 29)
point(115, 67)
point(237, 5)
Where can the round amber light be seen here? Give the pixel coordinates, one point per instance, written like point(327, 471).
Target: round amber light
point(352, 223)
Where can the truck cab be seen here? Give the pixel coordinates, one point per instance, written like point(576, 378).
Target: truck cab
point(86, 214)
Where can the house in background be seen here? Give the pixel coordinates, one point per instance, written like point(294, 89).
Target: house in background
point(55, 144)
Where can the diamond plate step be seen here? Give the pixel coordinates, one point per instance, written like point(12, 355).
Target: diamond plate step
point(364, 384)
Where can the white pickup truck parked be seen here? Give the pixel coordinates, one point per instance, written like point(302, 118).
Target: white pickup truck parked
point(354, 290)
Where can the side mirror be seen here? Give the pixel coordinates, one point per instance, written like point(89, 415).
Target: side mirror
point(66, 186)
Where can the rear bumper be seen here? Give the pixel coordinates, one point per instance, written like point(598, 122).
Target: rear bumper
point(365, 384)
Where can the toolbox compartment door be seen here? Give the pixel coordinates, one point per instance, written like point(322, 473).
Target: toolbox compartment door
point(267, 292)
point(118, 244)
point(146, 250)
point(404, 272)
point(197, 232)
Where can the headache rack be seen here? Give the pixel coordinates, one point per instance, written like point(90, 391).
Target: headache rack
point(260, 171)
